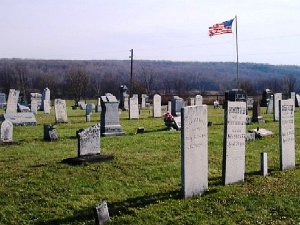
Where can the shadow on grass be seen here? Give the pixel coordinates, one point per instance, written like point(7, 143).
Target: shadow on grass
point(126, 207)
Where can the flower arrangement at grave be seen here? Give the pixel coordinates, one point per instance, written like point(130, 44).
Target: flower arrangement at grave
point(169, 120)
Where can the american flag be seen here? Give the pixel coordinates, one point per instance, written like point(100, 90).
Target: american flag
point(221, 28)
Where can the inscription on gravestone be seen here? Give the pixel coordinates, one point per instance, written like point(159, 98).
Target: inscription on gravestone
point(286, 134)
point(194, 150)
point(156, 106)
point(234, 142)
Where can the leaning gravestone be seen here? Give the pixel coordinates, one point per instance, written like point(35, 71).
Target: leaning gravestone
point(12, 101)
point(270, 105)
point(110, 121)
point(286, 134)
point(198, 100)
point(194, 150)
point(6, 131)
point(276, 98)
point(156, 106)
point(134, 107)
point(60, 111)
point(234, 142)
point(2, 100)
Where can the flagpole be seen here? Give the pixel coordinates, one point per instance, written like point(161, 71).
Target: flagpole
point(237, 54)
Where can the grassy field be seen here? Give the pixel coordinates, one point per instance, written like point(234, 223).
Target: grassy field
point(142, 183)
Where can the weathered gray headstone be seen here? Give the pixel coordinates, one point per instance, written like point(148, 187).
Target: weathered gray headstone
point(194, 150)
point(126, 102)
point(38, 98)
point(134, 107)
point(143, 102)
point(191, 101)
point(60, 111)
point(297, 103)
point(34, 106)
point(169, 109)
point(156, 106)
point(46, 106)
point(12, 101)
point(277, 97)
point(264, 164)
point(101, 214)
point(177, 104)
point(293, 97)
point(46, 99)
point(21, 119)
point(110, 121)
point(198, 100)
point(270, 105)
point(88, 109)
point(6, 131)
point(250, 101)
point(89, 141)
point(234, 142)
point(50, 133)
point(287, 134)
point(2, 100)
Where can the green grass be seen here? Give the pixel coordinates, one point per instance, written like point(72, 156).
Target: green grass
point(142, 183)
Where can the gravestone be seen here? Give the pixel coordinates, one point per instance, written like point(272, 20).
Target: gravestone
point(134, 107)
point(22, 108)
point(176, 105)
point(50, 133)
point(110, 122)
point(101, 214)
point(46, 100)
point(21, 119)
point(88, 109)
point(89, 141)
point(98, 106)
point(38, 98)
point(264, 164)
point(286, 134)
point(293, 97)
point(194, 150)
point(266, 95)
point(156, 106)
point(60, 111)
point(143, 102)
point(6, 132)
point(256, 117)
point(2, 100)
point(297, 103)
point(276, 98)
point(169, 108)
point(34, 106)
point(191, 101)
point(198, 100)
point(12, 101)
point(270, 105)
point(233, 169)
point(250, 102)
point(46, 106)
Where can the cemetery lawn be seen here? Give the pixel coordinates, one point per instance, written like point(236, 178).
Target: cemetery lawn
point(142, 183)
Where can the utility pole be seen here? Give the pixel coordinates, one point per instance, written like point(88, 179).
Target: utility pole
point(131, 71)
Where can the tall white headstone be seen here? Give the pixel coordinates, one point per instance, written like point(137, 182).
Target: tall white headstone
point(34, 106)
point(134, 107)
point(234, 142)
point(198, 100)
point(276, 98)
point(287, 134)
point(156, 106)
point(12, 101)
point(270, 105)
point(194, 150)
point(293, 97)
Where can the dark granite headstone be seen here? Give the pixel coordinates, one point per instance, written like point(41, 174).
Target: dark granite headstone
point(50, 133)
point(177, 104)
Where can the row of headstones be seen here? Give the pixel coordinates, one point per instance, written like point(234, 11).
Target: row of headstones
point(194, 144)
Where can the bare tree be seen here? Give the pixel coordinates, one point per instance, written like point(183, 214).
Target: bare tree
point(289, 83)
point(147, 77)
point(77, 81)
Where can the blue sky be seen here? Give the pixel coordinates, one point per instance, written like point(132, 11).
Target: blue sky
point(157, 30)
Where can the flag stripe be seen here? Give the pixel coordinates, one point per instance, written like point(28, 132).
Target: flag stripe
point(220, 28)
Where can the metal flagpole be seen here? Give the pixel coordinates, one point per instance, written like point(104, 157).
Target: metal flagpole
point(237, 54)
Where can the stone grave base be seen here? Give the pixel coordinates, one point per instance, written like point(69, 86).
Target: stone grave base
point(20, 119)
point(88, 159)
point(261, 132)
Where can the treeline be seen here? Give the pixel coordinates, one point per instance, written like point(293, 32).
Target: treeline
point(92, 78)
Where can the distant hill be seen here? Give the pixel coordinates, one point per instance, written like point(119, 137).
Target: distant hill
point(155, 76)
